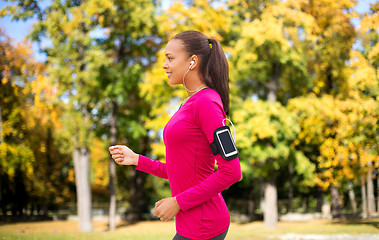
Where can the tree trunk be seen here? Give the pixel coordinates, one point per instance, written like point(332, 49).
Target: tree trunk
point(1, 176)
point(304, 204)
point(377, 192)
point(83, 189)
point(136, 196)
point(336, 203)
point(136, 193)
point(1, 127)
point(352, 197)
point(262, 202)
point(140, 202)
point(112, 170)
point(112, 195)
point(320, 200)
point(290, 190)
point(370, 190)
point(364, 199)
point(270, 215)
point(273, 85)
point(271, 207)
point(49, 165)
point(250, 205)
point(329, 80)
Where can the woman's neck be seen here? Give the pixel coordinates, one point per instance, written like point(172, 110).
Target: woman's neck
point(199, 88)
point(196, 84)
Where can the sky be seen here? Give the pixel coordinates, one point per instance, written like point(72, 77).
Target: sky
point(19, 29)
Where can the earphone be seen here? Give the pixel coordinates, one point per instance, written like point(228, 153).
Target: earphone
point(191, 63)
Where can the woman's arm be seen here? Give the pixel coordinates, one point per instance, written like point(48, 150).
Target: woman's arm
point(125, 156)
point(209, 116)
point(226, 175)
point(228, 172)
point(150, 166)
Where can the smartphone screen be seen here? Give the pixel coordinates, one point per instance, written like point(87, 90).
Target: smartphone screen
point(227, 143)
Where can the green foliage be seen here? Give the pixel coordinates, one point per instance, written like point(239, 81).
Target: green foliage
point(272, 48)
point(265, 132)
point(305, 169)
point(13, 157)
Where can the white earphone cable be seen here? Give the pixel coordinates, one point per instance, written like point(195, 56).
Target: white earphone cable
point(234, 130)
point(185, 84)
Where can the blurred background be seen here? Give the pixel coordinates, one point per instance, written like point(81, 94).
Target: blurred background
point(77, 76)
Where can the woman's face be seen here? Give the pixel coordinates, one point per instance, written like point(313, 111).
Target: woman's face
point(177, 61)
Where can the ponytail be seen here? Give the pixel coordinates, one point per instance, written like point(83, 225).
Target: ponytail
point(213, 62)
point(216, 72)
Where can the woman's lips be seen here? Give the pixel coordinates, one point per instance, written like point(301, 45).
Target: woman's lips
point(168, 74)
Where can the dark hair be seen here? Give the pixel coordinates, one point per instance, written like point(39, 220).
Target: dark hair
point(212, 60)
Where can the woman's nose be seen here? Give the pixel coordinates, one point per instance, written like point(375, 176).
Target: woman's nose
point(164, 66)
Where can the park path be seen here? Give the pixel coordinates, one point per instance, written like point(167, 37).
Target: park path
point(294, 236)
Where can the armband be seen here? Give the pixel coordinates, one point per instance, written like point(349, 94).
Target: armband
point(223, 143)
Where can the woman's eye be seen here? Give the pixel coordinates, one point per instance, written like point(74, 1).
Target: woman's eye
point(169, 58)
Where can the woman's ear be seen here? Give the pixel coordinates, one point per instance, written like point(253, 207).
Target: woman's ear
point(194, 62)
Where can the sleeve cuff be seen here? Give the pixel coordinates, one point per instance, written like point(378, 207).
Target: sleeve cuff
point(180, 202)
point(139, 165)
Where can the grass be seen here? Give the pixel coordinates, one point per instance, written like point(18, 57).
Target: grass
point(62, 230)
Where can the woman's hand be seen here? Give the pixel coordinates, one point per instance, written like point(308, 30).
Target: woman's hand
point(123, 155)
point(166, 209)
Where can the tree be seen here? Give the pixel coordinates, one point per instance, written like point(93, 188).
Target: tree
point(270, 61)
point(369, 56)
point(336, 135)
point(317, 124)
point(32, 177)
point(73, 64)
point(333, 36)
point(265, 133)
point(130, 43)
point(70, 68)
point(16, 157)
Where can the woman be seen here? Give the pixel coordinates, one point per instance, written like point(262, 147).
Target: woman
point(200, 65)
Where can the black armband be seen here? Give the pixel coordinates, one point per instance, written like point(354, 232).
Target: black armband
point(223, 143)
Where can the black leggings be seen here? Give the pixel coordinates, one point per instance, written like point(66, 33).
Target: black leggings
point(218, 237)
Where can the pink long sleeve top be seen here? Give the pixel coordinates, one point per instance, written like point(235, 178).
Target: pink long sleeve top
point(190, 165)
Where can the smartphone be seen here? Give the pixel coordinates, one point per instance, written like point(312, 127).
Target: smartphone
point(226, 143)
